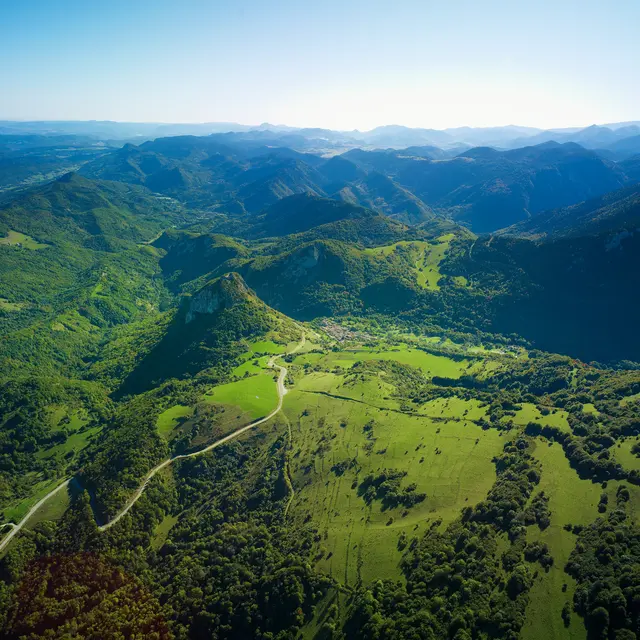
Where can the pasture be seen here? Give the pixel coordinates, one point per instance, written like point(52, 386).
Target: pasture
point(256, 395)
point(571, 501)
point(17, 239)
point(337, 442)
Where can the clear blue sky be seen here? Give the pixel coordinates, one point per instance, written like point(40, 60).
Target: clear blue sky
point(334, 63)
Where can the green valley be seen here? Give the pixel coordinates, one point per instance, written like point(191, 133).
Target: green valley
point(282, 396)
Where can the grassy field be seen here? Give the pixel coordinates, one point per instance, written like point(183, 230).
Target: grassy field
point(454, 408)
point(5, 305)
point(267, 346)
point(428, 264)
point(74, 423)
point(387, 250)
point(162, 531)
point(624, 456)
point(571, 501)
point(430, 364)
point(530, 413)
point(52, 509)
point(76, 442)
point(256, 395)
point(629, 399)
point(16, 511)
point(168, 420)
point(14, 238)
point(450, 461)
point(427, 256)
point(252, 364)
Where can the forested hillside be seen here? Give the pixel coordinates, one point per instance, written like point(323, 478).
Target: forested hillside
point(251, 391)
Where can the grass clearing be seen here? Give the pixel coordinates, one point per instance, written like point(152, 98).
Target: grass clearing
point(571, 501)
point(374, 391)
point(18, 510)
point(361, 541)
point(267, 346)
point(17, 239)
point(53, 509)
point(5, 305)
point(75, 443)
point(429, 363)
point(623, 454)
point(629, 399)
point(256, 395)
point(168, 420)
point(251, 364)
point(427, 257)
point(161, 533)
point(589, 407)
point(454, 408)
point(530, 413)
point(428, 264)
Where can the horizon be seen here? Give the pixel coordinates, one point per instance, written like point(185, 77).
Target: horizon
point(266, 124)
point(340, 66)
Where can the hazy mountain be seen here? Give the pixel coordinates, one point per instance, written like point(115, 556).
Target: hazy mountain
point(489, 189)
point(398, 136)
point(614, 211)
point(593, 137)
point(631, 167)
point(624, 148)
point(302, 212)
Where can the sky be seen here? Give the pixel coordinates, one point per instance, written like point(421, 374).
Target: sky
point(339, 64)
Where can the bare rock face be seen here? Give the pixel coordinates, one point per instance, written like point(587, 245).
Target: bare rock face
point(222, 293)
point(305, 261)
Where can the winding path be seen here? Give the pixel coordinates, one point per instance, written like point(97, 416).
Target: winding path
point(282, 390)
point(15, 528)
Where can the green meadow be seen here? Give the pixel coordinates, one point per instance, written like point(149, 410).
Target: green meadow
point(571, 501)
point(531, 413)
point(623, 454)
point(15, 238)
point(16, 511)
point(430, 364)
point(169, 419)
point(450, 461)
point(256, 395)
point(427, 257)
point(6, 305)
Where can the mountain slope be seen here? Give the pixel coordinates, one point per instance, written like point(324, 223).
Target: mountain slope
point(205, 333)
point(303, 212)
point(568, 294)
point(488, 189)
point(614, 211)
point(382, 194)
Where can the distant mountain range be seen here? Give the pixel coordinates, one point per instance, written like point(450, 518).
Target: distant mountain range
point(606, 137)
point(482, 188)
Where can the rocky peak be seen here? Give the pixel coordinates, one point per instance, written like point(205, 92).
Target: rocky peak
point(221, 293)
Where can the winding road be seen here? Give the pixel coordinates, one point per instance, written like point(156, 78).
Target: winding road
point(15, 528)
point(282, 390)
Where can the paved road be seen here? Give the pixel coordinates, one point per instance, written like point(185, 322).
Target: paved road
point(15, 528)
point(282, 390)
